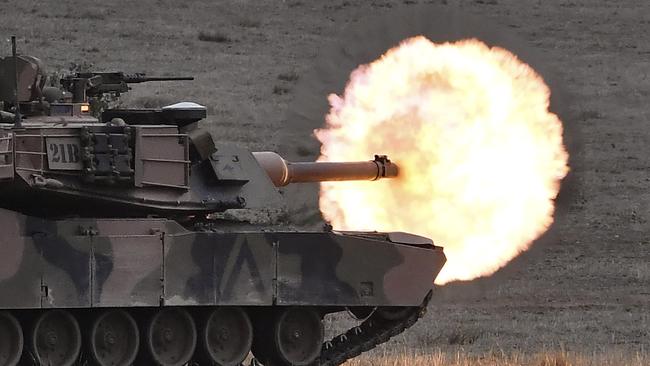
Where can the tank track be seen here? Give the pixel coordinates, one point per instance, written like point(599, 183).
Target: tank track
point(371, 333)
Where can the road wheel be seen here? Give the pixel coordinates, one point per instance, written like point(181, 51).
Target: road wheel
point(225, 336)
point(171, 337)
point(114, 339)
point(293, 338)
point(11, 340)
point(56, 338)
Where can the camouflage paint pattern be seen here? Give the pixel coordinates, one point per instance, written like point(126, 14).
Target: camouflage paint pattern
point(151, 262)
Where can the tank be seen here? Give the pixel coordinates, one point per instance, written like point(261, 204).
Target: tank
point(118, 247)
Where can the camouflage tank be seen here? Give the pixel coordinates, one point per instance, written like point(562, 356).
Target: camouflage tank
point(116, 249)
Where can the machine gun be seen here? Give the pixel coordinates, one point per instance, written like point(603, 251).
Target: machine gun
point(96, 84)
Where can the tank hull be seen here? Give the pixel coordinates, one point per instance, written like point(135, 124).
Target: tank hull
point(78, 287)
point(87, 263)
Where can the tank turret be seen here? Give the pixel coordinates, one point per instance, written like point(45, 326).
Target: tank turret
point(136, 162)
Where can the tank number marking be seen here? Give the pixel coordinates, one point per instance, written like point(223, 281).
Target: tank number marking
point(64, 153)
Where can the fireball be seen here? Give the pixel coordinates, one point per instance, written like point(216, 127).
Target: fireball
point(481, 156)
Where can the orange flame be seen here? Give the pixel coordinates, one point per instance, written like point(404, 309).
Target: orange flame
point(480, 155)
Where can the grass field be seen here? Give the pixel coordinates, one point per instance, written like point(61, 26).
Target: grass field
point(581, 296)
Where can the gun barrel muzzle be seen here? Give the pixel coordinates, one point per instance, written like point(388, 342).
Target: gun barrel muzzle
point(283, 172)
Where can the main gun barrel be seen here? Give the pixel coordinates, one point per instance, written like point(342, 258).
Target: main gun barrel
point(283, 172)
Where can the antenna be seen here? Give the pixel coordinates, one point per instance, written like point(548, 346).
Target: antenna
point(17, 117)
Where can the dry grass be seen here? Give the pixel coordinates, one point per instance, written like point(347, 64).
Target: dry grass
point(517, 359)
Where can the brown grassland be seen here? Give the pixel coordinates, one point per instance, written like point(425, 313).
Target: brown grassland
point(581, 296)
point(544, 358)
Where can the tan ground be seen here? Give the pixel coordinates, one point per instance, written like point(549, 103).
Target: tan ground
point(582, 293)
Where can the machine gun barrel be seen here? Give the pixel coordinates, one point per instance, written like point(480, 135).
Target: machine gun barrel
point(84, 84)
point(141, 78)
point(283, 172)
